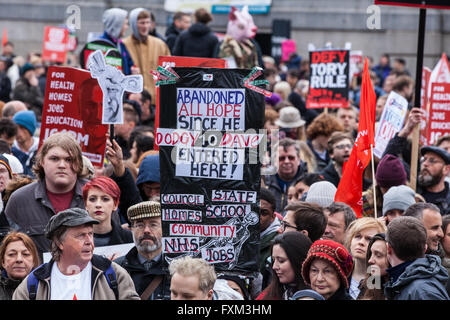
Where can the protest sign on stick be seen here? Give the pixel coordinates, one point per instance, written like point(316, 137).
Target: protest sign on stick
point(54, 47)
point(329, 79)
point(209, 183)
point(73, 103)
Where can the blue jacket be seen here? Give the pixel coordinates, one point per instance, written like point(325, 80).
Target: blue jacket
point(126, 57)
point(424, 279)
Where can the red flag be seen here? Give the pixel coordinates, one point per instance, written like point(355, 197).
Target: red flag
point(4, 37)
point(350, 190)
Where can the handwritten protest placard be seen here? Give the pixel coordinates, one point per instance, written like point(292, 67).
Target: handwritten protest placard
point(209, 186)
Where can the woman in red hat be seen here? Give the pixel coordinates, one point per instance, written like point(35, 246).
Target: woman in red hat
point(327, 268)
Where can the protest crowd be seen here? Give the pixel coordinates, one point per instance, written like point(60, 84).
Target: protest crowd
point(57, 205)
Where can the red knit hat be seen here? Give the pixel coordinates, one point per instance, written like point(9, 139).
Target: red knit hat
point(333, 252)
point(390, 172)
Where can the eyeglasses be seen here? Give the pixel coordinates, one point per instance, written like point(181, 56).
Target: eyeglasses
point(343, 146)
point(430, 160)
point(290, 158)
point(141, 226)
point(285, 225)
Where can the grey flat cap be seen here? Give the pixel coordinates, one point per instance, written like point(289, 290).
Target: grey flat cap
point(71, 217)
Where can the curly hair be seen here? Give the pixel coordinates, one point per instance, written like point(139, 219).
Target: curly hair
point(324, 124)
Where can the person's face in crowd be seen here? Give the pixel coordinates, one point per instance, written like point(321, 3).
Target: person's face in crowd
point(143, 26)
point(233, 285)
point(432, 221)
point(266, 215)
point(23, 135)
point(4, 178)
point(384, 61)
point(288, 223)
point(324, 278)
point(152, 190)
point(432, 170)
point(388, 83)
point(183, 23)
point(335, 229)
point(360, 242)
point(124, 28)
point(289, 162)
point(124, 130)
point(392, 214)
point(147, 234)
point(7, 50)
point(77, 245)
point(8, 140)
point(342, 151)
point(282, 266)
point(291, 80)
point(187, 288)
point(300, 189)
point(100, 205)
point(291, 194)
point(446, 241)
point(445, 145)
point(379, 108)
point(133, 152)
point(347, 118)
point(378, 262)
point(145, 107)
point(58, 170)
point(269, 126)
point(18, 260)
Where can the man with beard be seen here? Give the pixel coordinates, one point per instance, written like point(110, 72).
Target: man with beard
point(144, 261)
point(340, 146)
point(434, 167)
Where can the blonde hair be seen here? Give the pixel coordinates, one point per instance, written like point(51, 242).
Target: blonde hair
point(283, 88)
point(307, 155)
point(188, 266)
point(359, 225)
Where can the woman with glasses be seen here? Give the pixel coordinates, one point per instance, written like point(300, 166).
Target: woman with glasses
point(101, 198)
point(289, 250)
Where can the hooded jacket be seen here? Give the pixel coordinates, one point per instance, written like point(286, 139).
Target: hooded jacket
point(171, 36)
point(112, 23)
point(197, 41)
point(148, 172)
point(99, 285)
point(145, 52)
point(424, 279)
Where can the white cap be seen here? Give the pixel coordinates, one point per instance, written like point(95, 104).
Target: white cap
point(14, 163)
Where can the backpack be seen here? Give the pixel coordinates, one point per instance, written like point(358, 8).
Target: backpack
point(110, 275)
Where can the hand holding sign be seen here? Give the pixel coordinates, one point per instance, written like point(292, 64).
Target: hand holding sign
point(113, 84)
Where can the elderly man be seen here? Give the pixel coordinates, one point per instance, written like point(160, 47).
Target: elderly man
point(290, 168)
point(74, 272)
point(434, 167)
point(144, 261)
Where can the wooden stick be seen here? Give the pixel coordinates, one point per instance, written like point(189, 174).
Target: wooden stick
point(414, 156)
point(374, 184)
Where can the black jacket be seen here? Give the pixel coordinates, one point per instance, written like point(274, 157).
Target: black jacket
point(171, 36)
point(341, 294)
point(330, 174)
point(142, 277)
point(197, 41)
point(130, 193)
point(321, 164)
point(119, 235)
point(7, 286)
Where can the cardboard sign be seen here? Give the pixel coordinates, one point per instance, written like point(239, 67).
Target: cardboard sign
point(287, 48)
point(439, 119)
point(209, 185)
point(391, 122)
point(174, 61)
point(54, 48)
point(329, 79)
point(73, 103)
point(434, 4)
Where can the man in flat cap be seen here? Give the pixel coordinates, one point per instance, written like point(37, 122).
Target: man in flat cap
point(144, 261)
point(434, 167)
point(74, 272)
